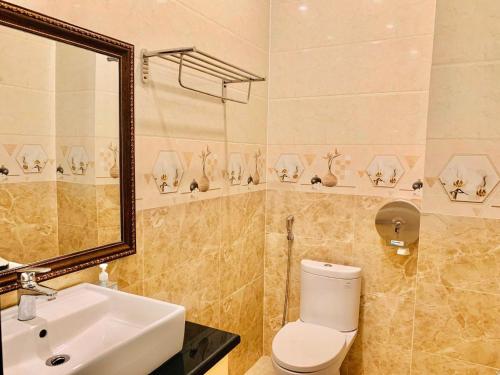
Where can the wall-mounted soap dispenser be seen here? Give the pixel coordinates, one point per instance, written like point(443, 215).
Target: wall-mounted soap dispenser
point(398, 223)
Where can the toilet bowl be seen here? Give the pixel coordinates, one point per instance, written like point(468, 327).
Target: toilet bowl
point(318, 342)
point(304, 348)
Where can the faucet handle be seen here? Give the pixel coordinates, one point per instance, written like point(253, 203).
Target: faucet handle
point(28, 275)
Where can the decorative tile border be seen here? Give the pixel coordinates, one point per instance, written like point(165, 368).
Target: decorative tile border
point(346, 169)
point(78, 160)
point(288, 168)
point(167, 172)
point(32, 158)
point(259, 165)
point(438, 199)
point(229, 168)
point(236, 168)
point(57, 156)
point(385, 171)
point(469, 178)
point(27, 158)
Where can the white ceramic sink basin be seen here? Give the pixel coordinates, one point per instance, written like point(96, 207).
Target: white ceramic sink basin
point(101, 330)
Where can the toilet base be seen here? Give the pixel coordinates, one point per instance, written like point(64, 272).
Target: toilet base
point(334, 369)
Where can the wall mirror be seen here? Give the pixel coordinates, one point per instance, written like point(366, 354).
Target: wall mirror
point(66, 146)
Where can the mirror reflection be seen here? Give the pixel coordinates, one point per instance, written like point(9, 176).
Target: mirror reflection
point(59, 167)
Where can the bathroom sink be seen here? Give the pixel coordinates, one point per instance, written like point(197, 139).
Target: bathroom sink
point(88, 329)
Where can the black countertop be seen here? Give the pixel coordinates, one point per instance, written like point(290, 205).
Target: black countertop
point(203, 347)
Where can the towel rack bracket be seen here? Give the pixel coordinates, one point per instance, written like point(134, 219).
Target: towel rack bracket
point(195, 60)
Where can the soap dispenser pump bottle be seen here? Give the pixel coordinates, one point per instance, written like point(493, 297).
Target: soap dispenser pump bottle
point(104, 278)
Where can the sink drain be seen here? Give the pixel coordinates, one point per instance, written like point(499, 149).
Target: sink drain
point(57, 360)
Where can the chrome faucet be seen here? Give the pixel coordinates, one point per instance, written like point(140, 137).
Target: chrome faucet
point(28, 292)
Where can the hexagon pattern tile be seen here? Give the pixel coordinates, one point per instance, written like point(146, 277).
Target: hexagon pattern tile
point(385, 171)
point(32, 158)
point(78, 160)
point(168, 172)
point(236, 168)
point(469, 178)
point(289, 168)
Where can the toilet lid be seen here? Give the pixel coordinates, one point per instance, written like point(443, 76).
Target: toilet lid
point(305, 347)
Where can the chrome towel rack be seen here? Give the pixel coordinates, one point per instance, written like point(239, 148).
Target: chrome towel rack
point(194, 59)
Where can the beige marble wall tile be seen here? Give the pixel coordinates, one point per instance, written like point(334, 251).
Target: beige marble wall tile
point(457, 323)
point(177, 234)
point(249, 19)
point(209, 35)
point(387, 319)
point(372, 359)
point(430, 364)
point(349, 119)
point(316, 23)
point(8, 299)
point(106, 79)
point(247, 123)
point(28, 221)
point(454, 111)
point(38, 121)
point(209, 316)
point(109, 235)
point(386, 66)
point(72, 238)
point(107, 112)
point(108, 205)
point(460, 252)
point(193, 284)
point(263, 366)
point(242, 251)
point(181, 248)
point(37, 55)
point(242, 312)
point(274, 281)
point(75, 69)
point(317, 215)
point(77, 217)
point(23, 199)
point(466, 31)
point(383, 270)
point(76, 204)
point(77, 109)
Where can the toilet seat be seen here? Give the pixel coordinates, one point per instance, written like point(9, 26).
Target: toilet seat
point(306, 347)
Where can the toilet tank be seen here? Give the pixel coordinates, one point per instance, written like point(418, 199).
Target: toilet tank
point(330, 295)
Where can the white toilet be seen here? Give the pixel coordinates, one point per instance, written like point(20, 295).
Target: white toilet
point(329, 308)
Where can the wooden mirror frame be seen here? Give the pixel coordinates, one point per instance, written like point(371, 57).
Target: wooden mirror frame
point(35, 23)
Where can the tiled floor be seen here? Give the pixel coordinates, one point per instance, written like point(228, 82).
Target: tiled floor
point(262, 367)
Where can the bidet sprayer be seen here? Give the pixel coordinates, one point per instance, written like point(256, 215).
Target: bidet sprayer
point(289, 228)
